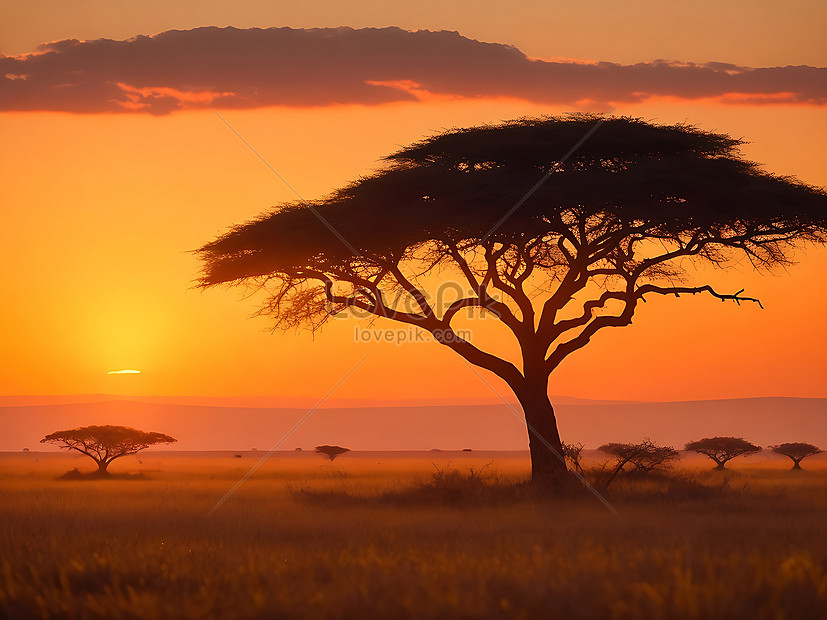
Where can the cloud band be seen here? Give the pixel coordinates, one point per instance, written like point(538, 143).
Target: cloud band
point(252, 68)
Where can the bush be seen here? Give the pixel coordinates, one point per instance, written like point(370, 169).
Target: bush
point(76, 474)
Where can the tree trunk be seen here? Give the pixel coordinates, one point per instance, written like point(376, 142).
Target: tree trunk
point(102, 465)
point(720, 465)
point(797, 464)
point(548, 468)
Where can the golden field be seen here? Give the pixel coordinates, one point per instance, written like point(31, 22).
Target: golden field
point(366, 536)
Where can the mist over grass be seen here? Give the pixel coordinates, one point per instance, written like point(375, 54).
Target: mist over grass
point(391, 536)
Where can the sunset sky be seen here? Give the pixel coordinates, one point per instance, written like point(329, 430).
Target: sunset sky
point(113, 169)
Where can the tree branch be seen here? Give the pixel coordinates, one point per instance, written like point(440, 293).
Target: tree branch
point(500, 367)
point(694, 290)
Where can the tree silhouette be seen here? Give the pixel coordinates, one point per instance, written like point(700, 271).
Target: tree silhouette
point(640, 458)
point(722, 449)
point(331, 452)
point(573, 453)
point(104, 444)
point(555, 250)
point(796, 451)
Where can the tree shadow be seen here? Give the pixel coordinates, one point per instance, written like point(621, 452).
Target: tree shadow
point(76, 474)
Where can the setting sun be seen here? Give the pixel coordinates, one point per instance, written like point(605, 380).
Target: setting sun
point(126, 371)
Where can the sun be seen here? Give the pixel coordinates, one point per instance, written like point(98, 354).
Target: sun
point(126, 371)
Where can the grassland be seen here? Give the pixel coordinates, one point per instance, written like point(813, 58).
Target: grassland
point(356, 538)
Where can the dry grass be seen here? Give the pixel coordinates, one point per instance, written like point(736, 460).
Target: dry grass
point(381, 536)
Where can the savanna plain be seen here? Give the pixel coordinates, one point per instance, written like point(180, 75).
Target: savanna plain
point(407, 535)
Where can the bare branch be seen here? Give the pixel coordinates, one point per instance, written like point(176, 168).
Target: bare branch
point(694, 290)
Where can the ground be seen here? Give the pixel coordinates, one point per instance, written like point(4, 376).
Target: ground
point(308, 538)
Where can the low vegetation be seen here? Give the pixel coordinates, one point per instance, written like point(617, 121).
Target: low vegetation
point(633, 458)
point(408, 538)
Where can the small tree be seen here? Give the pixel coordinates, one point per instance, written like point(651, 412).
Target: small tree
point(640, 458)
point(796, 451)
point(573, 453)
point(104, 444)
point(331, 452)
point(722, 449)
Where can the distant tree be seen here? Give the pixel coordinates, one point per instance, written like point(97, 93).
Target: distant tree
point(331, 452)
point(573, 453)
point(796, 451)
point(555, 249)
point(104, 444)
point(639, 458)
point(722, 449)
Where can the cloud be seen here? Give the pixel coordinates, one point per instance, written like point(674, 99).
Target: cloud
point(252, 68)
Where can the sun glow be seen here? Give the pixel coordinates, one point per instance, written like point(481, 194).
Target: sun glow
point(126, 371)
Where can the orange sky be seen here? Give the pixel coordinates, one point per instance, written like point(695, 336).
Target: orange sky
point(101, 209)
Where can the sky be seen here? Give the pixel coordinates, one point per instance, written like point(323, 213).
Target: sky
point(114, 169)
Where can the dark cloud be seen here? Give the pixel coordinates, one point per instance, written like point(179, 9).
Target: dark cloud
point(228, 67)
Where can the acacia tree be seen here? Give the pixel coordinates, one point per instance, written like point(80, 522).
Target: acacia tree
point(556, 250)
point(104, 444)
point(722, 449)
point(796, 451)
point(641, 458)
point(331, 452)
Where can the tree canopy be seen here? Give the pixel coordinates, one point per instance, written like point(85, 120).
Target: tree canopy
point(797, 451)
point(629, 179)
point(559, 226)
point(331, 452)
point(636, 458)
point(640, 457)
point(104, 444)
point(722, 449)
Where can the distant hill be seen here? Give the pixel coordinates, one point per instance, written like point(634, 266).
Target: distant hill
point(423, 427)
point(272, 401)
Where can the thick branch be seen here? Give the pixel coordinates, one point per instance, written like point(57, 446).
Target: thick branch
point(376, 306)
point(412, 290)
point(440, 329)
point(480, 288)
point(581, 340)
point(630, 298)
point(500, 367)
